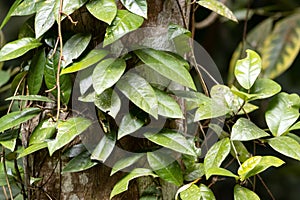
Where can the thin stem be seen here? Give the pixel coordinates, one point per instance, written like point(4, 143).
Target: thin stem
point(266, 187)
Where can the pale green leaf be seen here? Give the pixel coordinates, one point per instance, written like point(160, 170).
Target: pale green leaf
point(4, 77)
point(217, 171)
point(241, 150)
point(138, 7)
point(45, 17)
point(122, 24)
point(44, 130)
point(9, 144)
point(69, 6)
point(125, 162)
point(241, 193)
point(189, 192)
point(264, 88)
point(67, 131)
point(79, 163)
point(32, 148)
point(245, 130)
point(296, 126)
point(129, 124)
point(104, 10)
point(27, 7)
point(104, 148)
point(18, 48)
point(109, 102)
point(167, 106)
point(286, 146)
point(206, 193)
point(30, 98)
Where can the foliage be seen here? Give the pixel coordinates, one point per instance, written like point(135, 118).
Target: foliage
point(50, 66)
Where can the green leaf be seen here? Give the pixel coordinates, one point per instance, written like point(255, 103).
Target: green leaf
point(241, 193)
point(189, 192)
point(264, 88)
point(79, 163)
point(125, 162)
point(91, 58)
point(218, 7)
point(80, 41)
point(16, 118)
point(4, 77)
point(32, 148)
point(245, 130)
point(9, 135)
point(206, 193)
point(104, 10)
point(122, 24)
point(67, 131)
point(107, 73)
point(281, 46)
point(44, 130)
point(167, 65)
point(9, 14)
point(216, 154)
point(104, 148)
point(36, 72)
point(9, 144)
point(45, 17)
point(27, 7)
point(18, 48)
point(219, 172)
point(241, 150)
point(129, 124)
point(296, 126)
point(175, 30)
point(27, 28)
point(167, 106)
point(69, 6)
point(140, 92)
point(138, 7)
point(165, 167)
point(172, 140)
point(122, 185)
point(282, 112)
point(247, 70)
point(256, 165)
point(109, 102)
point(286, 146)
point(30, 98)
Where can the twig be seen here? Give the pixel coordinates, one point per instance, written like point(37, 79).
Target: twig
point(266, 187)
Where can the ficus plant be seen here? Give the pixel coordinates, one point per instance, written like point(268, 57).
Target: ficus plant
point(154, 85)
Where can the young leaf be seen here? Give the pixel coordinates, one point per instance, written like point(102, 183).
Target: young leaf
point(36, 72)
point(167, 106)
point(30, 98)
point(264, 88)
point(165, 167)
point(80, 41)
point(129, 124)
point(218, 7)
point(189, 192)
point(79, 163)
point(219, 172)
point(296, 126)
point(109, 101)
point(167, 65)
point(256, 165)
point(123, 23)
point(122, 185)
point(172, 140)
point(241, 193)
point(107, 73)
point(44, 130)
point(67, 131)
point(91, 58)
point(125, 162)
point(32, 148)
point(9, 14)
point(138, 7)
point(16, 118)
point(216, 154)
point(45, 17)
point(104, 10)
point(18, 48)
point(104, 148)
point(245, 130)
point(286, 146)
point(281, 46)
point(140, 92)
point(282, 112)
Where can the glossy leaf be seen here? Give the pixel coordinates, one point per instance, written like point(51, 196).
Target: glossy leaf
point(217, 171)
point(30, 98)
point(69, 6)
point(79, 163)
point(281, 47)
point(126, 162)
point(206, 193)
point(9, 135)
point(104, 10)
point(175, 30)
point(9, 14)
point(140, 92)
point(165, 167)
point(286, 146)
point(36, 72)
point(45, 17)
point(107, 73)
point(190, 192)
point(67, 131)
point(4, 77)
point(129, 124)
point(296, 126)
point(282, 112)
point(91, 58)
point(256, 165)
point(27, 7)
point(122, 24)
point(9, 144)
point(18, 48)
point(247, 70)
point(167, 65)
point(138, 7)
point(74, 47)
point(104, 148)
point(122, 185)
point(264, 88)
point(245, 130)
point(167, 106)
point(243, 153)
point(44, 130)
point(109, 102)
point(172, 140)
point(241, 193)
point(16, 118)
point(218, 7)
point(32, 148)
point(216, 154)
